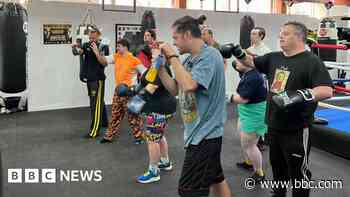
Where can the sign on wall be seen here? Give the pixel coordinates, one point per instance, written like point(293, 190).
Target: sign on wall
point(57, 34)
point(131, 32)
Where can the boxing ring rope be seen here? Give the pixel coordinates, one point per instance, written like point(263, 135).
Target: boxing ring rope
point(326, 105)
point(330, 46)
point(338, 65)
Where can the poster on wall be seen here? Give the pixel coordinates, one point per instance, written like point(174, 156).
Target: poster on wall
point(131, 32)
point(57, 34)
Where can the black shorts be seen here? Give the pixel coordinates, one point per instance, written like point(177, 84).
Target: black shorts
point(201, 168)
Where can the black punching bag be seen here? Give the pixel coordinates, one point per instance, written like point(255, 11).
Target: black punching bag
point(247, 25)
point(13, 30)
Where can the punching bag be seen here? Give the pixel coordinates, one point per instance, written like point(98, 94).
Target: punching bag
point(13, 30)
point(148, 21)
point(247, 24)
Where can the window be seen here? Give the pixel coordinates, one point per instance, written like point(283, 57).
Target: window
point(155, 3)
point(259, 6)
point(317, 10)
point(200, 4)
point(141, 3)
point(226, 5)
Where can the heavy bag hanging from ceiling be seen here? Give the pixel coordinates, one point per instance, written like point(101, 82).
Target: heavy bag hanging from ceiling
point(247, 24)
point(13, 30)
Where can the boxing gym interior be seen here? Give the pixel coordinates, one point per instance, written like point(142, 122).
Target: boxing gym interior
point(51, 143)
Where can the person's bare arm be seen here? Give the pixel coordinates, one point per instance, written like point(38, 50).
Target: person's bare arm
point(168, 82)
point(322, 92)
point(100, 58)
point(238, 99)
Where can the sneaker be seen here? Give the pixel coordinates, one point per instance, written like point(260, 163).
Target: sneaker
point(139, 141)
point(148, 177)
point(165, 166)
point(245, 166)
point(257, 178)
point(104, 140)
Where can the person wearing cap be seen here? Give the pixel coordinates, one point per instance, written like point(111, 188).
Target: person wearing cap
point(94, 76)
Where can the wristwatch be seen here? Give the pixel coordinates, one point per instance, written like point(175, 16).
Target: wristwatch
point(172, 56)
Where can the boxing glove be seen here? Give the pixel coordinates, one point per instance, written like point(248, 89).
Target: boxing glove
point(123, 90)
point(289, 99)
point(152, 74)
point(137, 102)
point(228, 50)
point(238, 52)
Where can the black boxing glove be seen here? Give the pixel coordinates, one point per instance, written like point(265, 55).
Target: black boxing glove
point(289, 99)
point(137, 102)
point(228, 50)
point(238, 52)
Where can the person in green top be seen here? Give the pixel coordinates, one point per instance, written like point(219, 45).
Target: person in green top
point(251, 102)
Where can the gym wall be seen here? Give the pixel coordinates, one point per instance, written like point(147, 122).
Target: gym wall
point(53, 72)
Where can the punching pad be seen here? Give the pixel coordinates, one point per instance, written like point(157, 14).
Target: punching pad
point(13, 30)
point(247, 24)
point(82, 37)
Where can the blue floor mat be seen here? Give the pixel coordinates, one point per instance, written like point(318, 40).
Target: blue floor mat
point(337, 119)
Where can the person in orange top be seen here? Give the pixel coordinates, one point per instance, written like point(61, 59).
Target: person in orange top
point(127, 67)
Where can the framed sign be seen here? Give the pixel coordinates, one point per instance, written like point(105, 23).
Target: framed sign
point(131, 32)
point(57, 34)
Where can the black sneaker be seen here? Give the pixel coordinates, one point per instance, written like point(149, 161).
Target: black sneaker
point(257, 178)
point(165, 166)
point(104, 140)
point(245, 166)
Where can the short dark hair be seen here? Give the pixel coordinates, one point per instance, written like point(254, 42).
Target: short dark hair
point(188, 23)
point(152, 32)
point(300, 28)
point(124, 42)
point(262, 32)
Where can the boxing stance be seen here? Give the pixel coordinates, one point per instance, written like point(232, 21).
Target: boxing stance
point(251, 101)
point(297, 80)
point(93, 75)
point(126, 68)
point(200, 83)
point(157, 106)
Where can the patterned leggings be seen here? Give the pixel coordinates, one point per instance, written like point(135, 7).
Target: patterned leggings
point(119, 109)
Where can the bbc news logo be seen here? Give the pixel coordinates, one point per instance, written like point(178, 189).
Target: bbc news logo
point(51, 175)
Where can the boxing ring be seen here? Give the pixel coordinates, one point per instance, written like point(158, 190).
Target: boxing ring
point(333, 134)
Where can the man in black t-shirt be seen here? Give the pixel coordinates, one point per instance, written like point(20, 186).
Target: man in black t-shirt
point(93, 74)
point(297, 80)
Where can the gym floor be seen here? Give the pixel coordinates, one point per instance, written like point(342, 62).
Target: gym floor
point(53, 139)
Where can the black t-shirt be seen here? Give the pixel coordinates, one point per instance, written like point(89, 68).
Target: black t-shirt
point(301, 71)
point(252, 87)
point(161, 101)
point(92, 69)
